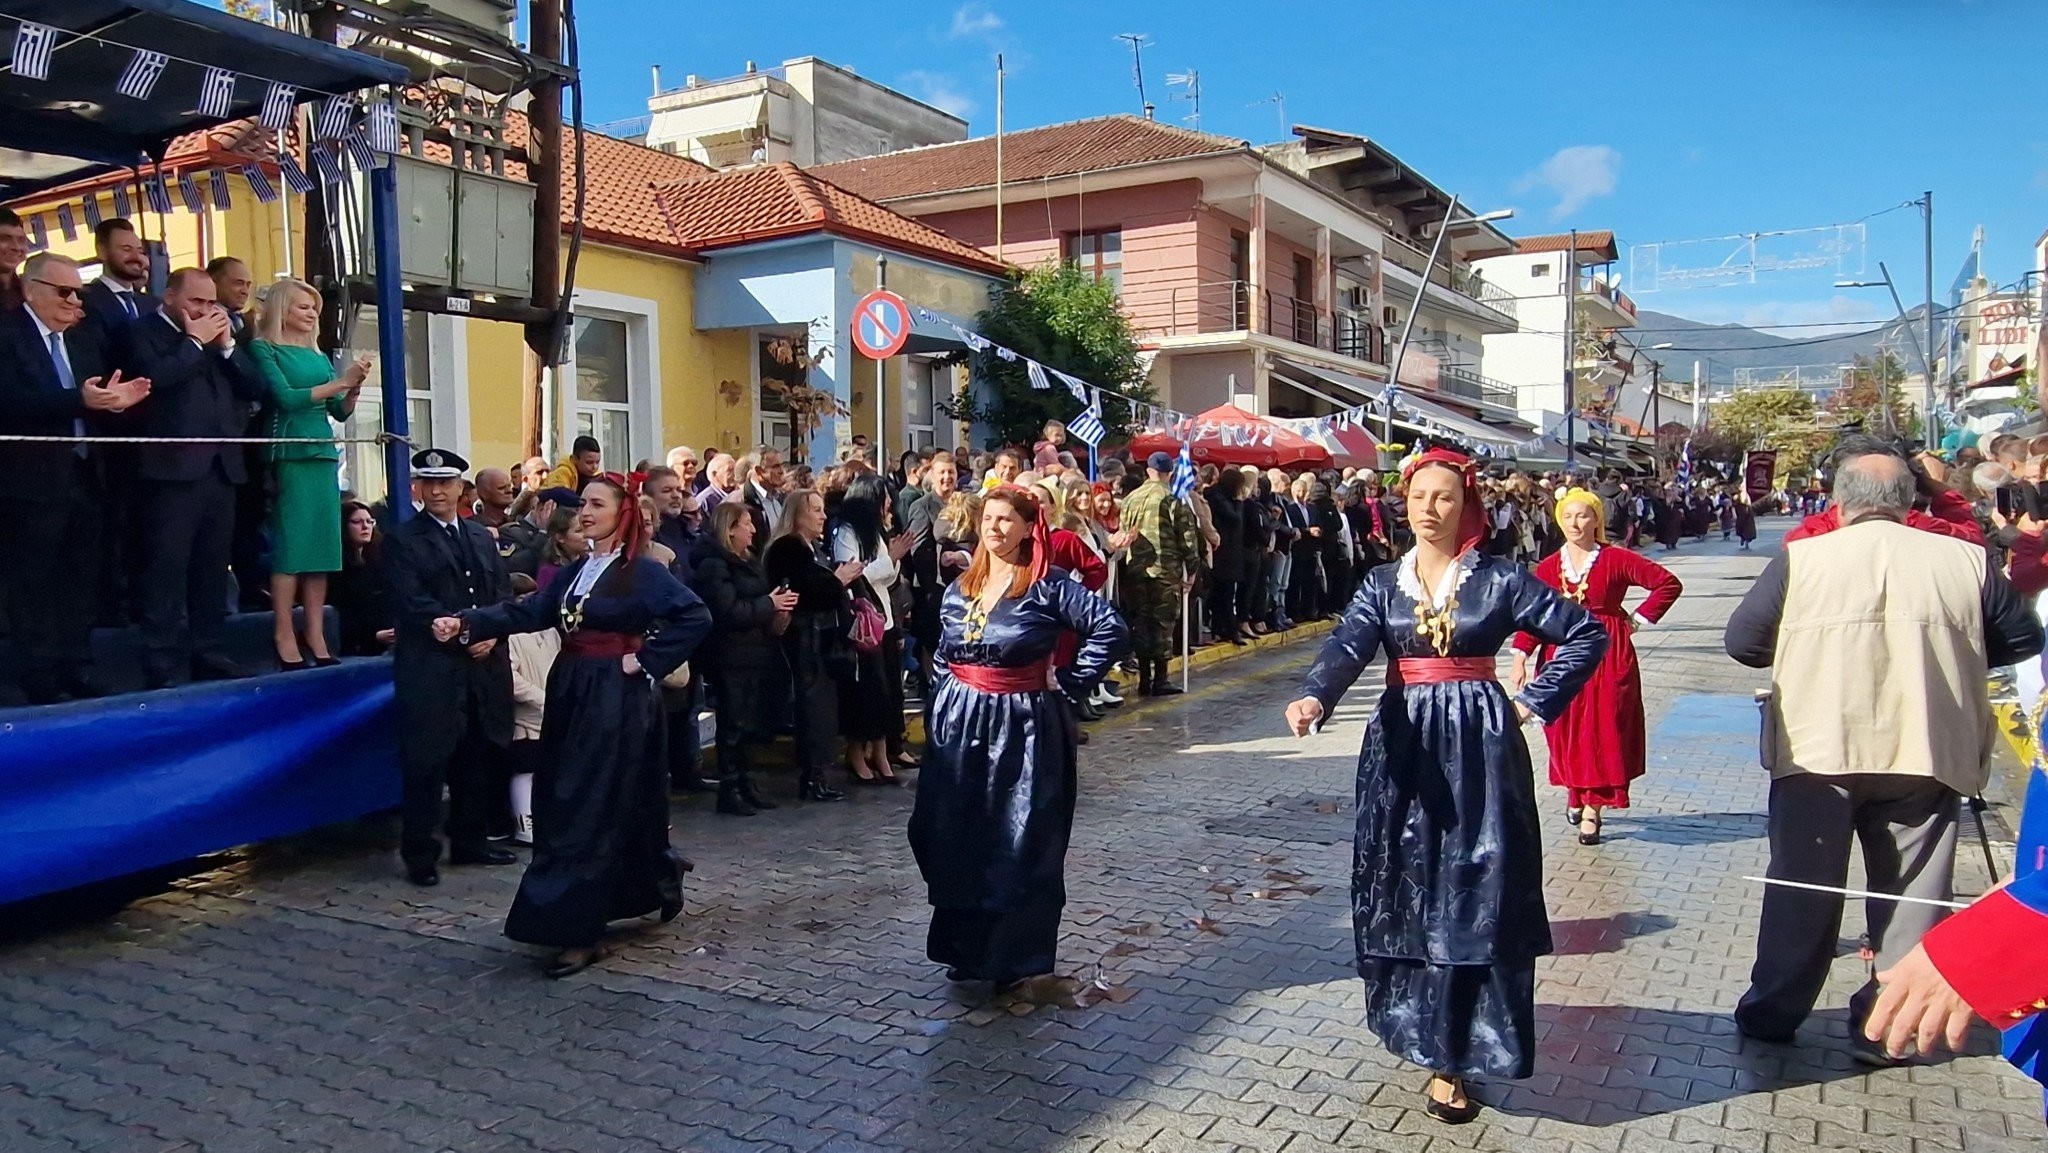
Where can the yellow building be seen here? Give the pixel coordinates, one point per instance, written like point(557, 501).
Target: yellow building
point(686, 281)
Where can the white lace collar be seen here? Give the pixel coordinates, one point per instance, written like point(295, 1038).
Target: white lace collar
point(1564, 564)
point(1409, 578)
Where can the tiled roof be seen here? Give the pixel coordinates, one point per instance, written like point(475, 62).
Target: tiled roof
point(1033, 154)
point(1600, 241)
point(745, 205)
point(619, 201)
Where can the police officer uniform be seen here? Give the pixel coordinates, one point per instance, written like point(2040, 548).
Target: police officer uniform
point(454, 710)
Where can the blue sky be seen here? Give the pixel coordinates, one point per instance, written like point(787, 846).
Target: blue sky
point(1665, 121)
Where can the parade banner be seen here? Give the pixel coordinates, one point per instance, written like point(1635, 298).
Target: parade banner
point(1758, 469)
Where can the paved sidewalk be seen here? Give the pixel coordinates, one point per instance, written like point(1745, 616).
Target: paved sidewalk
point(302, 996)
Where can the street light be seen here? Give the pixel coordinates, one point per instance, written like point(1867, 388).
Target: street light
point(1450, 221)
point(1926, 368)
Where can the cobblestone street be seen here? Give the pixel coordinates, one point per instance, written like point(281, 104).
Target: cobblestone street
point(303, 996)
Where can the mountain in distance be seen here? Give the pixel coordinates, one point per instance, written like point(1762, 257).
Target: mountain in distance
point(1733, 346)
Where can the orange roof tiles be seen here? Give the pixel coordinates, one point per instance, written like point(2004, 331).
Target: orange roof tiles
point(746, 205)
point(619, 201)
point(1034, 154)
point(1599, 241)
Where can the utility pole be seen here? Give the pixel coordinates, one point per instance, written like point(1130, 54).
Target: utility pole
point(881, 385)
point(1931, 428)
point(544, 168)
point(1571, 354)
point(1137, 43)
point(999, 157)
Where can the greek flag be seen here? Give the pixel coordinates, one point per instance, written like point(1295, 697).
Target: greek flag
point(325, 163)
point(222, 198)
point(38, 234)
point(383, 127)
point(139, 78)
point(1184, 475)
point(1037, 374)
point(278, 102)
point(66, 222)
point(356, 147)
point(1077, 387)
point(121, 205)
point(188, 187)
point(92, 212)
point(33, 44)
point(217, 94)
point(295, 177)
point(1685, 464)
point(1087, 427)
point(265, 191)
point(159, 197)
point(336, 113)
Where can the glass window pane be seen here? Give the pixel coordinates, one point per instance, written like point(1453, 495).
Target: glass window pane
point(602, 373)
point(1111, 244)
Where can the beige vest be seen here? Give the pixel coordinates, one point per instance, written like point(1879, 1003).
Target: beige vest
point(1880, 663)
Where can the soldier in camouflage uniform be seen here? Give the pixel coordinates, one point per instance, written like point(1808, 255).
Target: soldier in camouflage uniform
point(1164, 555)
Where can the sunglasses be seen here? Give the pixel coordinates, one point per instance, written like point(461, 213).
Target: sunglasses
point(65, 291)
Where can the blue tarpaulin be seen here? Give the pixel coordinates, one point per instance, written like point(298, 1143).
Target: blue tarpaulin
point(99, 789)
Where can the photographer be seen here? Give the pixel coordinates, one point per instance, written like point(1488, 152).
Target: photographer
point(1948, 512)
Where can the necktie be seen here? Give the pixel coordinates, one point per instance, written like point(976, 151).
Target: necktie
point(62, 364)
point(127, 300)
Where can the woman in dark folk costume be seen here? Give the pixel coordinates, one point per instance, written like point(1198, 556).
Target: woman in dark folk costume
point(600, 798)
point(995, 799)
point(1597, 747)
point(1447, 892)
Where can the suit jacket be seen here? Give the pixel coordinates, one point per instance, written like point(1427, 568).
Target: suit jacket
point(764, 524)
point(437, 682)
point(33, 401)
point(104, 314)
point(193, 391)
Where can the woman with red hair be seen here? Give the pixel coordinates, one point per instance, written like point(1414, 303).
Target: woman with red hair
point(995, 799)
point(1447, 872)
point(600, 796)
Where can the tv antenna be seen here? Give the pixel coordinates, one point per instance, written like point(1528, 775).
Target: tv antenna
point(1278, 99)
point(1192, 81)
point(1138, 42)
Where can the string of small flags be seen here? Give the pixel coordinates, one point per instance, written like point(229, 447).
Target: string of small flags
point(350, 133)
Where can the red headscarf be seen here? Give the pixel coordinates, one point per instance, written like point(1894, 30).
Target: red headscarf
point(630, 525)
point(1027, 502)
point(1111, 521)
point(1472, 520)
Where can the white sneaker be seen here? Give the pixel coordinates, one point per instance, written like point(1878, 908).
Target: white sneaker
point(524, 837)
point(1104, 695)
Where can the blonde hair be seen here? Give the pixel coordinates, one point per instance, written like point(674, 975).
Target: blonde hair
point(962, 513)
point(276, 301)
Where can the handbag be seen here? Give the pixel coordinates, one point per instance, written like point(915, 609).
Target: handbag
point(868, 627)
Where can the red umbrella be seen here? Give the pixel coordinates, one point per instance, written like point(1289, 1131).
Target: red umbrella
point(1228, 435)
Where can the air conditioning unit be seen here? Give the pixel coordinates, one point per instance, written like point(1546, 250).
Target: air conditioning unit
point(1387, 316)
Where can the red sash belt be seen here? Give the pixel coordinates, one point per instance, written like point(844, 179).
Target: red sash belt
point(994, 679)
point(1442, 670)
point(609, 645)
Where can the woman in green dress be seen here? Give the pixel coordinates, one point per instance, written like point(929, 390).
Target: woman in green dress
point(305, 518)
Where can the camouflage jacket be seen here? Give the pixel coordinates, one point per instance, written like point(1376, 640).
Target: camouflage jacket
point(1164, 543)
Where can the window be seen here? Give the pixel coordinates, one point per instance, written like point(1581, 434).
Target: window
point(783, 363)
point(604, 388)
point(930, 384)
point(1240, 281)
point(363, 464)
point(1100, 254)
point(1539, 271)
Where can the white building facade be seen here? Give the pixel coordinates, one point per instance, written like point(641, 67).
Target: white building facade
point(806, 112)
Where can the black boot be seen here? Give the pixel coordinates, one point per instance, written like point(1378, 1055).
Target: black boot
point(730, 800)
point(749, 795)
point(1162, 680)
point(812, 787)
point(1145, 678)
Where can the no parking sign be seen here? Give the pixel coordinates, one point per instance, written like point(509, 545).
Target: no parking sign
point(881, 324)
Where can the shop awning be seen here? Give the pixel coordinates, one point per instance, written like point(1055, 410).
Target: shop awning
point(1449, 420)
point(76, 124)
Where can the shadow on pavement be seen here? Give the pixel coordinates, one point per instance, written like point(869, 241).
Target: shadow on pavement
point(1690, 829)
point(1583, 936)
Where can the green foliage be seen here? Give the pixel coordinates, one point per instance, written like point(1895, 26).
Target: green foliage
point(1782, 419)
point(1873, 397)
point(1064, 319)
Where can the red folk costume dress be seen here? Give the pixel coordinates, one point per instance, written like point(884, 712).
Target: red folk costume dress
point(1598, 746)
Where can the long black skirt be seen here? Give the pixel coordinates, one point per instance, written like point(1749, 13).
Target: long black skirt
point(600, 809)
point(1460, 1020)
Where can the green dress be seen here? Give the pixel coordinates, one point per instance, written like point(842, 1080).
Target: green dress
point(305, 519)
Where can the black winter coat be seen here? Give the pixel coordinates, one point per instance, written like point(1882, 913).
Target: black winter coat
point(1226, 513)
point(736, 591)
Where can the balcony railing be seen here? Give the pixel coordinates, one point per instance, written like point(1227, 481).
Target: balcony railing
point(1462, 280)
point(1226, 306)
point(1457, 380)
point(1614, 297)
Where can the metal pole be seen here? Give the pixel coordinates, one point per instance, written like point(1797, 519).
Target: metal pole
point(1571, 356)
point(882, 380)
point(1408, 326)
point(1931, 429)
point(1695, 395)
point(1187, 644)
point(1656, 413)
point(999, 157)
point(391, 339)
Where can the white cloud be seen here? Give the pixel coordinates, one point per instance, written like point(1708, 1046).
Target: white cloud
point(975, 20)
point(940, 91)
point(1575, 175)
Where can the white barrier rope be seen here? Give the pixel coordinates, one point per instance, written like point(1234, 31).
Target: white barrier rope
point(380, 438)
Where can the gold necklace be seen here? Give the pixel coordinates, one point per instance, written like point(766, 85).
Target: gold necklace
point(1435, 623)
point(1575, 590)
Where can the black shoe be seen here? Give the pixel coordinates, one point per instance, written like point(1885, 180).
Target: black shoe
point(1447, 1113)
point(730, 802)
point(814, 788)
point(217, 668)
point(1088, 710)
point(44, 692)
point(293, 666)
point(1162, 681)
point(155, 677)
point(325, 662)
point(688, 781)
point(751, 796)
point(1571, 817)
point(81, 687)
point(425, 876)
point(483, 855)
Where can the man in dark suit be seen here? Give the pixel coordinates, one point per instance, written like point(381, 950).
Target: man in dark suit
point(121, 294)
point(113, 302)
point(53, 382)
point(454, 700)
point(201, 385)
point(13, 250)
point(233, 284)
point(761, 489)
